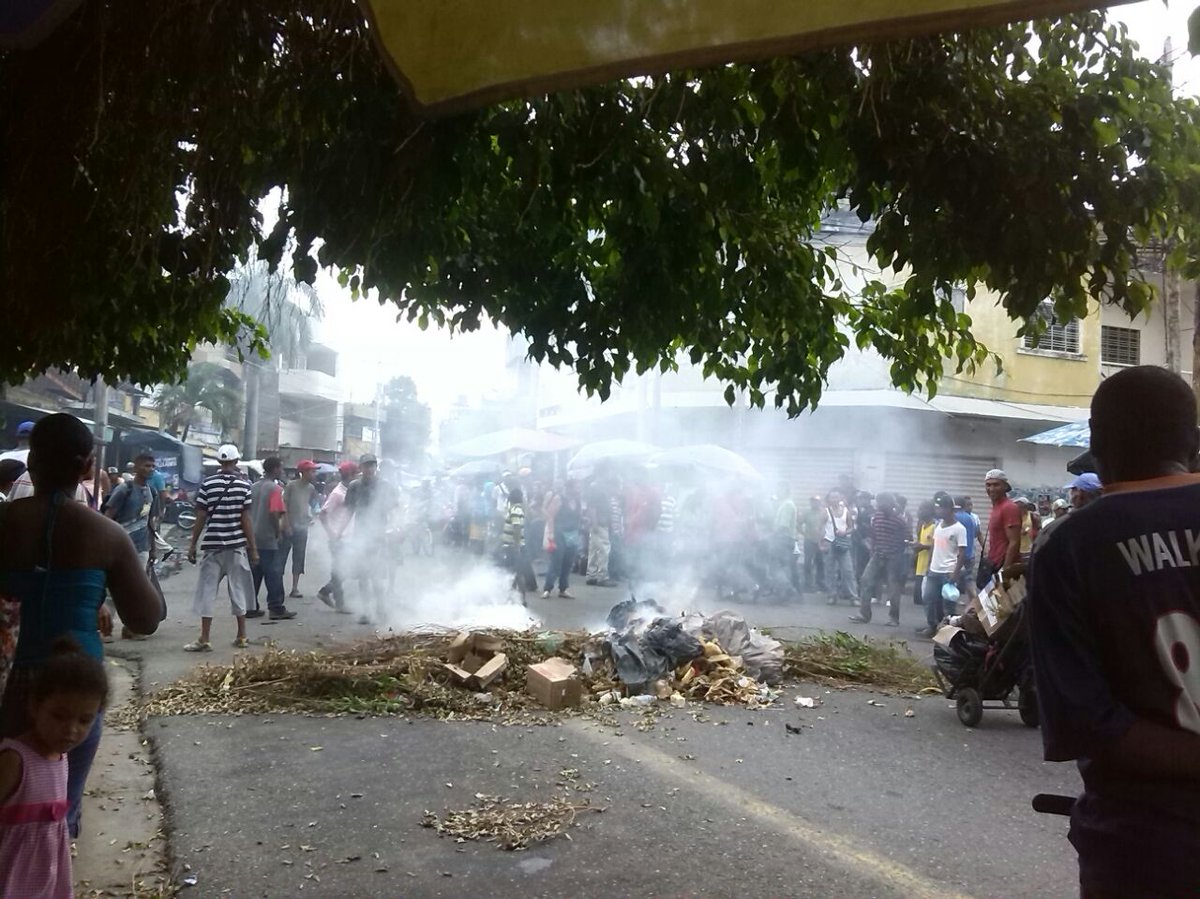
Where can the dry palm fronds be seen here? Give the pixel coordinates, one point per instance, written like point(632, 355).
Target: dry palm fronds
point(510, 825)
point(843, 659)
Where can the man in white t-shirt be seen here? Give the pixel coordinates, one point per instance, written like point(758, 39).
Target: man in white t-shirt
point(946, 565)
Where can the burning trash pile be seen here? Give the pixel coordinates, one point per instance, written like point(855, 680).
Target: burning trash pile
point(645, 660)
point(717, 659)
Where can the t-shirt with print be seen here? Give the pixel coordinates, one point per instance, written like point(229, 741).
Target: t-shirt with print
point(267, 498)
point(223, 496)
point(133, 507)
point(1005, 514)
point(947, 541)
point(1114, 613)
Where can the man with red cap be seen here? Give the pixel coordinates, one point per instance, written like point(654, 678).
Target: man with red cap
point(299, 496)
point(335, 517)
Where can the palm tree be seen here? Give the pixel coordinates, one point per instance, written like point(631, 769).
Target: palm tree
point(286, 309)
point(207, 386)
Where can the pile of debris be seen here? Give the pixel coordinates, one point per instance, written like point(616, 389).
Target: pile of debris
point(510, 825)
point(646, 660)
point(718, 658)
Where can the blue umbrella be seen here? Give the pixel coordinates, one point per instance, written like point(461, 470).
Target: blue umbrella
point(1077, 433)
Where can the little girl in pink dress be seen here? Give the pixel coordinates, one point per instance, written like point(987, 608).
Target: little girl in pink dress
point(35, 846)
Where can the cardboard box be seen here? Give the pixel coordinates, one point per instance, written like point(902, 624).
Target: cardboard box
point(945, 634)
point(475, 660)
point(996, 602)
point(554, 683)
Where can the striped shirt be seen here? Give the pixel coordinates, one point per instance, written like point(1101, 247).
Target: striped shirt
point(514, 526)
point(223, 497)
point(666, 515)
point(888, 533)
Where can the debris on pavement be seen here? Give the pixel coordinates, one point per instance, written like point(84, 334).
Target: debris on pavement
point(554, 683)
point(510, 825)
point(806, 702)
point(843, 659)
point(475, 660)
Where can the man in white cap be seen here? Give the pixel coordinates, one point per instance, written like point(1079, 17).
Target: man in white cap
point(223, 518)
point(1004, 527)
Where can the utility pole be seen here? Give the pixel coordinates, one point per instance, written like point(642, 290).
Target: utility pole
point(100, 418)
point(250, 375)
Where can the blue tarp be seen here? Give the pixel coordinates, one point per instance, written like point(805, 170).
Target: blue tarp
point(1077, 433)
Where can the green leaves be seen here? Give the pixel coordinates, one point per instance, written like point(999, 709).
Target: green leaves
point(618, 228)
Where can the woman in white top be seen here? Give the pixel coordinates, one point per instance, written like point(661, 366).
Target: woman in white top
point(835, 543)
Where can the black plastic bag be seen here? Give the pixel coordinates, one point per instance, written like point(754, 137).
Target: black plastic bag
point(669, 640)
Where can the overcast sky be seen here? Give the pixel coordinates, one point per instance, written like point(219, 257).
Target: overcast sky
point(374, 347)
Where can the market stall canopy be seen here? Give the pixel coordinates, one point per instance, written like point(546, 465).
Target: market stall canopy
point(511, 440)
point(457, 54)
point(1077, 433)
point(628, 452)
point(480, 468)
point(707, 458)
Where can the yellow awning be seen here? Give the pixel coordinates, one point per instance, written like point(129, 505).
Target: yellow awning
point(456, 54)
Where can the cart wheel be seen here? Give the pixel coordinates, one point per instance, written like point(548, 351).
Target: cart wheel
point(1028, 708)
point(970, 707)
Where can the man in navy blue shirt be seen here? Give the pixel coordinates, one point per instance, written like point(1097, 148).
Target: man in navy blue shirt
point(1115, 624)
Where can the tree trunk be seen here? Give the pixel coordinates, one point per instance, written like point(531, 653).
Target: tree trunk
point(186, 427)
point(1171, 318)
point(1196, 341)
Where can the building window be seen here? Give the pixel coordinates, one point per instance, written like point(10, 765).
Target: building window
point(1057, 337)
point(1120, 346)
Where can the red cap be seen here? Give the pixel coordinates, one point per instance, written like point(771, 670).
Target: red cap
point(347, 467)
point(306, 465)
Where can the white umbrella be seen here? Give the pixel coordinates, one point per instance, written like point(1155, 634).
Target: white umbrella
point(707, 457)
point(631, 452)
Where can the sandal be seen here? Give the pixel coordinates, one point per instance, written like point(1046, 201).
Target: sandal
point(564, 594)
point(198, 646)
point(240, 643)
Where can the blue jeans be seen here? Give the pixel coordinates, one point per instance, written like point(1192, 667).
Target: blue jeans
point(931, 594)
point(270, 570)
point(561, 561)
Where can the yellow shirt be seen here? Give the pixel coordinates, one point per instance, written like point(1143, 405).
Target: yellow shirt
point(924, 535)
point(1026, 533)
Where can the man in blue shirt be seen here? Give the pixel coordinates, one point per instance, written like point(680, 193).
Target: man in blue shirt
point(970, 521)
point(1114, 612)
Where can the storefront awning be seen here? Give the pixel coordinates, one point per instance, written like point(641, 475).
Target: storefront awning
point(456, 54)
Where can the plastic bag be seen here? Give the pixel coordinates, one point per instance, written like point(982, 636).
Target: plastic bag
point(762, 656)
point(950, 593)
point(668, 639)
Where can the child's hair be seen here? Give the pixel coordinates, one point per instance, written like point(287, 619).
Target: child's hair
point(70, 670)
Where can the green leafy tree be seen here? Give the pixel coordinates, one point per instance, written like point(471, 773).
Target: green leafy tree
point(285, 308)
point(405, 434)
point(615, 226)
point(207, 386)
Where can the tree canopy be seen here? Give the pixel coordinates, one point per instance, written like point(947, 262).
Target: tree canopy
point(404, 434)
point(616, 226)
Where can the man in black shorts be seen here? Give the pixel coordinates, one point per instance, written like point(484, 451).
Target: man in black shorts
point(1115, 624)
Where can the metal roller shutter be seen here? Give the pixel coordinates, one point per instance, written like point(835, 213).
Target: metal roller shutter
point(810, 472)
point(920, 477)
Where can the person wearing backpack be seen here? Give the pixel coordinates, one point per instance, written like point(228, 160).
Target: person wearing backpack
point(134, 506)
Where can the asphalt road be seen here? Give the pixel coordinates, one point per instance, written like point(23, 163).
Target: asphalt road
point(863, 802)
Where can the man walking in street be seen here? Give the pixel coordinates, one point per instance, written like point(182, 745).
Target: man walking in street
point(599, 542)
point(1004, 528)
point(269, 516)
point(335, 518)
point(786, 531)
point(370, 500)
point(946, 565)
point(813, 526)
point(298, 497)
point(135, 507)
point(223, 519)
point(1114, 608)
point(888, 565)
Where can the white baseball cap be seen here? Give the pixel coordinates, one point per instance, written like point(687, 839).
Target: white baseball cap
point(228, 453)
